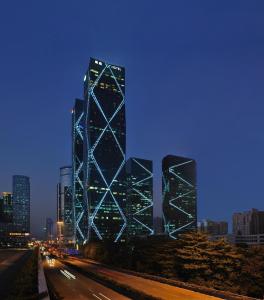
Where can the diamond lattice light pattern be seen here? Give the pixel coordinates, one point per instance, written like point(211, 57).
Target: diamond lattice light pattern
point(179, 194)
point(80, 204)
point(139, 197)
point(105, 144)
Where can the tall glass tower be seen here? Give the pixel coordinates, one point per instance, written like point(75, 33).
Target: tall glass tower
point(65, 219)
point(21, 203)
point(7, 207)
point(179, 194)
point(105, 145)
point(139, 197)
point(80, 205)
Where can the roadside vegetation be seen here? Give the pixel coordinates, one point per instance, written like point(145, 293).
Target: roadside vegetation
point(192, 259)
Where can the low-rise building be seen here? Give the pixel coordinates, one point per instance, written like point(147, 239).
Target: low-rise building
point(248, 222)
point(213, 227)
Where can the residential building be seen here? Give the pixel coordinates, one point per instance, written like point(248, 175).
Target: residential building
point(248, 222)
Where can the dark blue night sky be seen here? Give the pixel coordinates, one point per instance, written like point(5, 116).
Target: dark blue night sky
point(194, 87)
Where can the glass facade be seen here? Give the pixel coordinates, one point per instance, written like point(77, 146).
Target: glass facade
point(105, 145)
point(139, 206)
point(179, 195)
point(6, 218)
point(6, 208)
point(59, 208)
point(65, 204)
point(80, 206)
point(49, 229)
point(68, 231)
point(21, 203)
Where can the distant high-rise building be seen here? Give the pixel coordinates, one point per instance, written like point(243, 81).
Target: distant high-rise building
point(21, 203)
point(105, 148)
point(49, 229)
point(179, 195)
point(6, 218)
point(139, 207)
point(80, 205)
point(65, 205)
point(6, 208)
point(2, 216)
point(213, 227)
point(59, 207)
point(157, 223)
point(248, 222)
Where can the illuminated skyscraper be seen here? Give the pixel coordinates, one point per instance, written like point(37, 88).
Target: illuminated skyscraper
point(49, 229)
point(105, 148)
point(6, 218)
point(65, 205)
point(80, 206)
point(6, 210)
point(21, 203)
point(179, 194)
point(139, 205)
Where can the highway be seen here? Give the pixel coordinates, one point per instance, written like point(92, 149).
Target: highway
point(70, 284)
point(150, 287)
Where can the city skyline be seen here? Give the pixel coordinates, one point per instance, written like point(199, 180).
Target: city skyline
point(200, 94)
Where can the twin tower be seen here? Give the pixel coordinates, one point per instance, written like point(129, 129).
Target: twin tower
point(112, 196)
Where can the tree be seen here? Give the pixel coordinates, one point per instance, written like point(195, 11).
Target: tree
point(211, 263)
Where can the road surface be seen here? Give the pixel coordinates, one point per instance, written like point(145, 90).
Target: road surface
point(70, 284)
point(150, 287)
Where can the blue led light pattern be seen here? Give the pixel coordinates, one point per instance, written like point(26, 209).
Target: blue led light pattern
point(68, 228)
point(179, 195)
point(105, 144)
point(79, 204)
point(139, 197)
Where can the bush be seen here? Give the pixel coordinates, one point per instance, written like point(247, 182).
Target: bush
point(192, 258)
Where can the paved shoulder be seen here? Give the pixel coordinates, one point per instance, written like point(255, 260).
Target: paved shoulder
point(151, 287)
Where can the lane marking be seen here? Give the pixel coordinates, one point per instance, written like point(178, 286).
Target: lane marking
point(104, 296)
point(65, 274)
point(97, 297)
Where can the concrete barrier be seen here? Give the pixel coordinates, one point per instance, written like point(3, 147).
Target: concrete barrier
point(42, 284)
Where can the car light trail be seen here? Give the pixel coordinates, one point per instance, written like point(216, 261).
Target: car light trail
point(70, 274)
point(65, 274)
point(104, 296)
point(97, 297)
